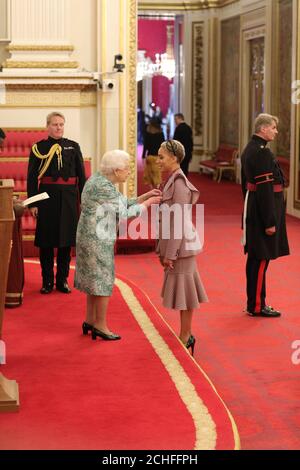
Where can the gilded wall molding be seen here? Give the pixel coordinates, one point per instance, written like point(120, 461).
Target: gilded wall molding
point(14, 64)
point(197, 79)
point(88, 99)
point(185, 6)
point(254, 33)
point(39, 47)
point(44, 99)
point(132, 96)
point(229, 81)
point(282, 70)
point(51, 87)
point(224, 3)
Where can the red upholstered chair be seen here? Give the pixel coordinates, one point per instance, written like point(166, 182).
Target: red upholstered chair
point(224, 158)
point(16, 170)
point(284, 163)
point(18, 143)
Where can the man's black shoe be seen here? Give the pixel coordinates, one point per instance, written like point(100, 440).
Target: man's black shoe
point(63, 287)
point(47, 288)
point(267, 311)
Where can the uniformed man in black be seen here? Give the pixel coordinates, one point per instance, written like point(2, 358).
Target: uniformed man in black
point(2, 139)
point(184, 134)
point(56, 167)
point(265, 236)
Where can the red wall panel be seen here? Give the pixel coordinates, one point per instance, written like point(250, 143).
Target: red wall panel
point(152, 37)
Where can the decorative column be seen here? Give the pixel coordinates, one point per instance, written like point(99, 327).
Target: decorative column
point(293, 198)
point(118, 19)
point(204, 93)
point(253, 27)
point(197, 92)
point(213, 85)
point(39, 32)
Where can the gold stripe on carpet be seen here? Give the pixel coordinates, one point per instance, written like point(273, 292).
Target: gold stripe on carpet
point(206, 435)
point(233, 425)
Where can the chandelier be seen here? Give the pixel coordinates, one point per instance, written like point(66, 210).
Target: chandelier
point(164, 64)
point(144, 66)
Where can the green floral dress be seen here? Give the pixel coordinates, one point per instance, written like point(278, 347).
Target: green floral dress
point(102, 205)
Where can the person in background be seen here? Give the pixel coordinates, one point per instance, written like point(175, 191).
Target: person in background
point(154, 137)
point(141, 125)
point(158, 115)
point(264, 226)
point(2, 139)
point(102, 207)
point(177, 247)
point(56, 167)
point(184, 134)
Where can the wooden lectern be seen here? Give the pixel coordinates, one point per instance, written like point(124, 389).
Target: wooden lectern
point(9, 390)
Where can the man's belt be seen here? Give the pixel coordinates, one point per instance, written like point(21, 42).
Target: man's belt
point(48, 180)
point(277, 188)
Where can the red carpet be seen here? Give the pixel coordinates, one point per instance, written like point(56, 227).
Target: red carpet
point(143, 392)
point(248, 359)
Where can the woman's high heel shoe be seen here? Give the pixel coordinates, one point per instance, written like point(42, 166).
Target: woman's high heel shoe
point(105, 336)
point(86, 327)
point(191, 343)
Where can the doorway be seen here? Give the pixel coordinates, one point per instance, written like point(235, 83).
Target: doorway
point(159, 71)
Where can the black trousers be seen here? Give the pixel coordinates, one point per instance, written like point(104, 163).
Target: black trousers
point(63, 259)
point(256, 284)
point(184, 165)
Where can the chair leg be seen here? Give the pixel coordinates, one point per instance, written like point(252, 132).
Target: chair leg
point(220, 171)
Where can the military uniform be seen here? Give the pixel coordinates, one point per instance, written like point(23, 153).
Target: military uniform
point(56, 167)
point(262, 184)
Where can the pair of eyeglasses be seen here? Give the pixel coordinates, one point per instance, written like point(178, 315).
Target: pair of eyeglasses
point(172, 147)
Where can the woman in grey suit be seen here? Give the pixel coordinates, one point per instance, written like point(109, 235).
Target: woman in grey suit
point(179, 242)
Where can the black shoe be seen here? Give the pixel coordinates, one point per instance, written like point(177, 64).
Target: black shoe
point(63, 287)
point(47, 288)
point(105, 336)
point(267, 311)
point(191, 343)
point(86, 327)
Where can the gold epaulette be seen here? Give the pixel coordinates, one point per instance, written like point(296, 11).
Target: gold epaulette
point(47, 159)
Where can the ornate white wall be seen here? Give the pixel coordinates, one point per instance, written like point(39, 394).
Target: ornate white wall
point(56, 45)
point(56, 51)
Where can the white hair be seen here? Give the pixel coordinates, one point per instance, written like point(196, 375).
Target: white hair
point(114, 160)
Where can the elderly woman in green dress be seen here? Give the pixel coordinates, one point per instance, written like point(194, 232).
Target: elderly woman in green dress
point(102, 206)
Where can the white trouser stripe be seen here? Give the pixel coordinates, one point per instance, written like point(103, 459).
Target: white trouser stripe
point(243, 241)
